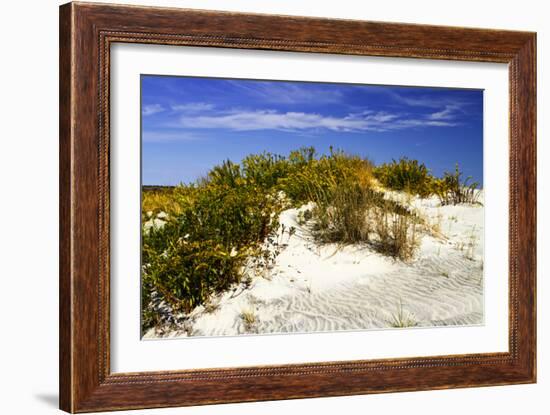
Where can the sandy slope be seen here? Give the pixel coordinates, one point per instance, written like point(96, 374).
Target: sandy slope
point(313, 288)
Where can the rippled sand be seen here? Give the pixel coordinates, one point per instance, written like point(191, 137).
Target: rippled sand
point(313, 288)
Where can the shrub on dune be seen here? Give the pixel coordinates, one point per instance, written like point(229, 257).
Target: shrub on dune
point(201, 251)
point(406, 175)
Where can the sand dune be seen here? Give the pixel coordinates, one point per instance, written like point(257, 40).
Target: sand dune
point(330, 287)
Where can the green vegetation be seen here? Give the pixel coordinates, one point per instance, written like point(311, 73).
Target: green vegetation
point(453, 190)
point(407, 175)
point(160, 199)
point(415, 178)
point(206, 241)
point(227, 222)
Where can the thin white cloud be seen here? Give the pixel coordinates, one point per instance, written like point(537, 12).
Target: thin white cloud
point(163, 137)
point(417, 102)
point(448, 113)
point(430, 102)
point(299, 121)
point(193, 107)
point(287, 93)
point(423, 123)
point(152, 109)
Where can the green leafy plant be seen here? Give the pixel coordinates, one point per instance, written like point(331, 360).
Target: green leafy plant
point(406, 175)
point(202, 250)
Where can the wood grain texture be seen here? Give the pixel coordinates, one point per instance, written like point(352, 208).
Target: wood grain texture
point(86, 33)
point(65, 247)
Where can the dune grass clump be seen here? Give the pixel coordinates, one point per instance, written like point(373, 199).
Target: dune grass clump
point(397, 234)
point(405, 175)
point(357, 215)
point(249, 319)
point(340, 188)
point(340, 214)
point(452, 189)
point(402, 319)
point(349, 210)
point(414, 178)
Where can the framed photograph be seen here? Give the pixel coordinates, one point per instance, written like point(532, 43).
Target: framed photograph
point(258, 207)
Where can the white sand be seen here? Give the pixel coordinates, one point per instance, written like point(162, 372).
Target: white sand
point(329, 287)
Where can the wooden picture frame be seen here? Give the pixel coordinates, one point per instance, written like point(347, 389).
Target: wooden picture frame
point(86, 33)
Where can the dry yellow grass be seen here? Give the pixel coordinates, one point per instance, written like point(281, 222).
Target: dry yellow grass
point(164, 200)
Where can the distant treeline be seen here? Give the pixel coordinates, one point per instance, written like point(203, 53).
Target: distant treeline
point(156, 187)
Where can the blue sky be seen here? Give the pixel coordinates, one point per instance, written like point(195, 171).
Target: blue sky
point(190, 124)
